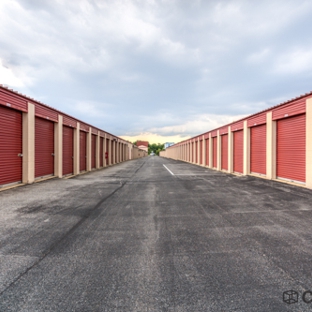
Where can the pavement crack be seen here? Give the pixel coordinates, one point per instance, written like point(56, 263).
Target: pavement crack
point(68, 233)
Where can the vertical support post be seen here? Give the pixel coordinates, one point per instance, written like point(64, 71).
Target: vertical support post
point(246, 151)
point(218, 150)
point(104, 151)
point(230, 150)
point(204, 151)
point(28, 145)
point(58, 147)
point(77, 149)
point(89, 149)
point(114, 152)
point(210, 151)
point(97, 151)
point(270, 147)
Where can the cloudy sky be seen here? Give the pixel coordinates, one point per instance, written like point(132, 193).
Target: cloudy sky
point(161, 70)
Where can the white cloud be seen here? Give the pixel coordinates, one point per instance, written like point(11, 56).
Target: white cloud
point(163, 66)
point(294, 62)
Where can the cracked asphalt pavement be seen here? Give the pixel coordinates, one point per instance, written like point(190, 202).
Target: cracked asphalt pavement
point(155, 234)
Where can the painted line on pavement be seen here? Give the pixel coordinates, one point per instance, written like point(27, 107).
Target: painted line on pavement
point(168, 170)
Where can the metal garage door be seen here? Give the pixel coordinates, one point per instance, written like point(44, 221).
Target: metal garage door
point(44, 147)
point(258, 149)
point(196, 152)
point(238, 149)
point(215, 152)
point(10, 145)
point(101, 152)
point(207, 152)
point(83, 151)
point(68, 150)
point(93, 151)
point(290, 149)
point(224, 152)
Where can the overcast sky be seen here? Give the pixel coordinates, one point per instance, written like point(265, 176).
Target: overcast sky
point(158, 70)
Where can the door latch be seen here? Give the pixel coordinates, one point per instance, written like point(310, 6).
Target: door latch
point(20, 155)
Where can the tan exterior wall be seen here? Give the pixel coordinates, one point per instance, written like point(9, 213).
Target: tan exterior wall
point(77, 149)
point(246, 155)
point(29, 145)
point(58, 147)
point(230, 150)
point(218, 151)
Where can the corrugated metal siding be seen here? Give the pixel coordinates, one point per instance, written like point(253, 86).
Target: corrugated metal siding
point(207, 152)
point(84, 127)
point(295, 108)
point(258, 149)
point(11, 145)
point(214, 133)
point(68, 150)
point(101, 151)
point(13, 100)
point(68, 121)
point(46, 112)
point(291, 148)
point(237, 126)
point(93, 151)
point(224, 152)
point(238, 149)
point(94, 131)
point(83, 151)
point(206, 136)
point(224, 130)
point(44, 147)
point(214, 151)
point(257, 120)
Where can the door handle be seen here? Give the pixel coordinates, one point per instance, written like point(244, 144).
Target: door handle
point(52, 154)
point(20, 155)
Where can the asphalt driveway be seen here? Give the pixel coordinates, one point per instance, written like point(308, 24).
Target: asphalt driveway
point(155, 234)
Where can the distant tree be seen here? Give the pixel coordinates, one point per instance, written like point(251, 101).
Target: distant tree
point(156, 148)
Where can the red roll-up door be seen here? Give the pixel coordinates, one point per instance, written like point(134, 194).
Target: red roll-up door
point(107, 150)
point(44, 147)
point(68, 150)
point(83, 151)
point(215, 150)
point(238, 150)
point(93, 151)
point(258, 149)
point(196, 152)
point(291, 148)
point(207, 152)
point(101, 152)
point(10, 145)
point(201, 152)
point(224, 152)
